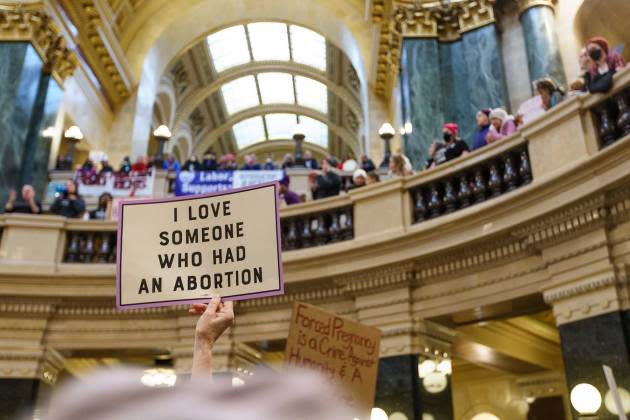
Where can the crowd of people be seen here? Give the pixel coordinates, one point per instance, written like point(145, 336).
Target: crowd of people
point(598, 63)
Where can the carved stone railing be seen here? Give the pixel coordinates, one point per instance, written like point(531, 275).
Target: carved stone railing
point(492, 177)
point(314, 229)
point(90, 247)
point(612, 113)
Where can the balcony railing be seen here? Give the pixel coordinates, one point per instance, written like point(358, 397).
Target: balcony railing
point(492, 177)
point(612, 116)
point(501, 185)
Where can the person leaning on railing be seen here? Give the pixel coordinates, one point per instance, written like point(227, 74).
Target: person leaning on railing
point(69, 203)
point(328, 183)
point(602, 64)
point(27, 203)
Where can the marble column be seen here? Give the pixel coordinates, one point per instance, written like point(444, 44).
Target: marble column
point(589, 343)
point(422, 102)
point(541, 42)
point(485, 75)
point(455, 88)
point(399, 389)
point(24, 103)
point(42, 153)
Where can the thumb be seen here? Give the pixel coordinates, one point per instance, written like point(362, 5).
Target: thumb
point(213, 306)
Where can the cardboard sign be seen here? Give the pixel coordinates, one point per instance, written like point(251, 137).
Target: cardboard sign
point(342, 349)
point(189, 249)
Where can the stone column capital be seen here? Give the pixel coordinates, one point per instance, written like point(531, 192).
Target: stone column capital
point(42, 363)
point(524, 5)
point(32, 23)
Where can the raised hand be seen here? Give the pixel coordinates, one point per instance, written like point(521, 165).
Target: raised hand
point(216, 317)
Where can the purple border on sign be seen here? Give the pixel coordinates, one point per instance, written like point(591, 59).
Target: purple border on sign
point(275, 292)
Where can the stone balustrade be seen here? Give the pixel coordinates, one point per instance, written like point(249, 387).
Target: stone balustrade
point(549, 152)
point(494, 176)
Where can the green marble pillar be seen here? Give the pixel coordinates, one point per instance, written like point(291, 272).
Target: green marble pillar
point(541, 43)
point(422, 99)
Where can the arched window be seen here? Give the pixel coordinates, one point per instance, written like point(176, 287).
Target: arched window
point(278, 126)
point(266, 41)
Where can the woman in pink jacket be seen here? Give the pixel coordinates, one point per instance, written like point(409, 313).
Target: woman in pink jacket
point(501, 125)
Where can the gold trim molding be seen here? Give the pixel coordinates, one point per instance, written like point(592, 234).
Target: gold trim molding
point(31, 23)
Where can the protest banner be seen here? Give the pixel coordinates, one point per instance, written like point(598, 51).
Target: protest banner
point(344, 350)
point(202, 182)
point(189, 249)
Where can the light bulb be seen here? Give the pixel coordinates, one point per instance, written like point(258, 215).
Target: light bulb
point(378, 414)
point(426, 367)
point(585, 398)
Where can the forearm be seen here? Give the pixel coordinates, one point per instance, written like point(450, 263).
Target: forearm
point(202, 359)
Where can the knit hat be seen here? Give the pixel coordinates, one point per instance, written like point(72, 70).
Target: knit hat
point(499, 113)
point(359, 173)
point(452, 127)
point(601, 41)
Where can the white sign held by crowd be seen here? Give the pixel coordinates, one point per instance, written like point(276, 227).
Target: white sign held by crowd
point(190, 249)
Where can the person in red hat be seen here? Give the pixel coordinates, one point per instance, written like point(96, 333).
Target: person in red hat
point(602, 65)
point(455, 147)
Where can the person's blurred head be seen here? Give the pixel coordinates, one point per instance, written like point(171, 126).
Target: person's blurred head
point(497, 117)
point(359, 177)
point(397, 164)
point(71, 187)
point(288, 157)
point(284, 183)
point(119, 394)
point(328, 164)
point(126, 159)
point(545, 89)
point(583, 60)
point(483, 117)
point(597, 49)
point(28, 192)
point(308, 154)
point(372, 178)
point(193, 158)
point(104, 199)
point(210, 156)
point(269, 158)
point(364, 158)
point(449, 131)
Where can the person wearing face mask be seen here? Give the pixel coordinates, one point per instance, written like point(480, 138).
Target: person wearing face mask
point(455, 147)
point(602, 65)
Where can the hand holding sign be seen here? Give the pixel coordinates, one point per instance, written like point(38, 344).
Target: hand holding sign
point(216, 317)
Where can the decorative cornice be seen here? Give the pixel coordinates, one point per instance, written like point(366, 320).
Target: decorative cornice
point(31, 23)
point(424, 19)
point(101, 49)
point(575, 289)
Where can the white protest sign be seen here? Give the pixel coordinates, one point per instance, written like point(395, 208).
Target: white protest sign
point(189, 249)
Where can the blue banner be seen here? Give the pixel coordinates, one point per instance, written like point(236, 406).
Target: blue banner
point(202, 182)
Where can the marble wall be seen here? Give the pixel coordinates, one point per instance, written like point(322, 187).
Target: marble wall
point(444, 82)
point(29, 101)
point(20, 70)
point(399, 389)
point(589, 343)
point(543, 48)
point(54, 97)
point(422, 99)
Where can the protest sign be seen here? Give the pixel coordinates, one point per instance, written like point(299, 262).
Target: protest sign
point(202, 182)
point(184, 250)
point(344, 350)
